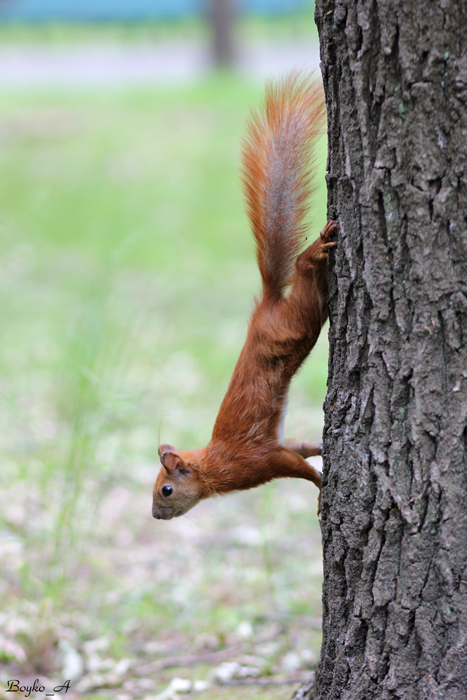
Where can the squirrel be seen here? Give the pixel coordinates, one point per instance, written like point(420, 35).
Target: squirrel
point(247, 448)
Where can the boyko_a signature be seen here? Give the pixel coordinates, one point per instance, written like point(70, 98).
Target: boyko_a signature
point(14, 686)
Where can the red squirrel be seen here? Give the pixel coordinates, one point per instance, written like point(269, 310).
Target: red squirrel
point(247, 448)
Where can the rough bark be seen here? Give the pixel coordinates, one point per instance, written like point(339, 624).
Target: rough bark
point(394, 506)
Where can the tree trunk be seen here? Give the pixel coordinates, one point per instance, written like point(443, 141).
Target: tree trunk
point(222, 23)
point(394, 507)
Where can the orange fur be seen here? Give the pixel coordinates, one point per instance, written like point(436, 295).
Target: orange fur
point(277, 162)
point(245, 449)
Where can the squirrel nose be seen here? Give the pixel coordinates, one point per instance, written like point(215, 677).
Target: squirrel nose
point(155, 514)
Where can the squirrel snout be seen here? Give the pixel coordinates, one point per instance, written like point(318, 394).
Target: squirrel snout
point(161, 516)
point(163, 513)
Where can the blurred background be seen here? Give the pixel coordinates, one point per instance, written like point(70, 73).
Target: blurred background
point(127, 276)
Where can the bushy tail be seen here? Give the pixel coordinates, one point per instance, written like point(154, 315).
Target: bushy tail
point(277, 169)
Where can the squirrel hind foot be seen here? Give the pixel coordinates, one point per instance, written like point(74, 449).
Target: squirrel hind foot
point(328, 230)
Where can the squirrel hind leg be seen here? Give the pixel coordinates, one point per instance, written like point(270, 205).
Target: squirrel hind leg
point(328, 230)
point(324, 242)
point(318, 251)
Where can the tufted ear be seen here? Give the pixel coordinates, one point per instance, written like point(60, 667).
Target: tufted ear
point(172, 461)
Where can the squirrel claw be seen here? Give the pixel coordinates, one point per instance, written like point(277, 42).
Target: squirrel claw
point(328, 230)
point(329, 244)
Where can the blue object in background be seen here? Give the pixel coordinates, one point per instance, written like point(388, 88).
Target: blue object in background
point(97, 9)
point(130, 10)
point(269, 7)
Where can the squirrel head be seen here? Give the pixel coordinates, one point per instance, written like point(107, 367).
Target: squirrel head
point(178, 486)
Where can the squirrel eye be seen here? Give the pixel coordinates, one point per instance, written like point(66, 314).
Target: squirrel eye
point(166, 490)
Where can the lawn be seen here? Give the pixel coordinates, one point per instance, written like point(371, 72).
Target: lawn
point(295, 25)
point(127, 274)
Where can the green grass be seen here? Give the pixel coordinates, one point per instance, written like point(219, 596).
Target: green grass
point(284, 26)
point(127, 273)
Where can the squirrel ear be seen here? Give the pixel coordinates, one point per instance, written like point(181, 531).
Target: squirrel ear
point(169, 456)
point(171, 460)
